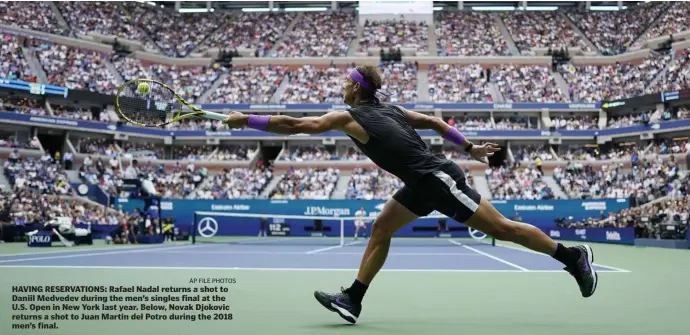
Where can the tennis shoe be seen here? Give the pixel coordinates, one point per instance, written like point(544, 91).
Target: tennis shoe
point(340, 303)
point(584, 273)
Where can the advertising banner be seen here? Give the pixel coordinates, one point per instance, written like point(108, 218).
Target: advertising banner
point(539, 213)
point(602, 235)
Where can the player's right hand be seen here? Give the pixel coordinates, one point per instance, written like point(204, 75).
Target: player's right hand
point(482, 152)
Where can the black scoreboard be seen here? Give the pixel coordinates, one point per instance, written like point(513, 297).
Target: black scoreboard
point(278, 229)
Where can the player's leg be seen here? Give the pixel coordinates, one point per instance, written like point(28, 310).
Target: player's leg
point(356, 229)
point(451, 196)
point(577, 260)
point(404, 208)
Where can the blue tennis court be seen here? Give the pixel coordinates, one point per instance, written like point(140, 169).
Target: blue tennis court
point(428, 254)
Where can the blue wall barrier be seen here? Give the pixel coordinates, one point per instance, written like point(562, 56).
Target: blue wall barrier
point(603, 235)
point(539, 213)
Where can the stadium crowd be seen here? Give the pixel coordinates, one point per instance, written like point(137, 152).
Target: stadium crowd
point(335, 32)
point(528, 83)
point(308, 183)
point(593, 83)
point(647, 181)
point(458, 83)
point(255, 84)
point(612, 32)
point(77, 69)
point(397, 34)
point(469, 34)
point(13, 64)
point(517, 182)
point(541, 30)
point(255, 31)
point(331, 34)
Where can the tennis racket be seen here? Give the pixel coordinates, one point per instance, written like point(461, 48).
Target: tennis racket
point(150, 103)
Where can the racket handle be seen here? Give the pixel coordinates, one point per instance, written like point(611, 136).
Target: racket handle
point(215, 116)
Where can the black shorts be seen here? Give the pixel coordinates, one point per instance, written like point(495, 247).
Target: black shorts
point(444, 190)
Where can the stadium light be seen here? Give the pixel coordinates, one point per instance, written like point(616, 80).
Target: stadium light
point(196, 10)
point(438, 8)
point(607, 8)
point(306, 9)
point(257, 10)
point(493, 8)
point(540, 8)
point(150, 3)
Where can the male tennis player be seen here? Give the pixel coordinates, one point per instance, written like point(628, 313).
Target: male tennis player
point(386, 134)
point(359, 222)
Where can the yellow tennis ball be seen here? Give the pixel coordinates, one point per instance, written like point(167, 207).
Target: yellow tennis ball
point(143, 88)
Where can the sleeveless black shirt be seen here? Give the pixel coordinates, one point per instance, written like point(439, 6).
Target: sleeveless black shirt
point(393, 144)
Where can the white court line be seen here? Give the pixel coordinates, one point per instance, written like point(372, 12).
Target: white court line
point(274, 269)
point(329, 253)
point(80, 249)
point(315, 251)
point(116, 252)
point(540, 254)
point(490, 256)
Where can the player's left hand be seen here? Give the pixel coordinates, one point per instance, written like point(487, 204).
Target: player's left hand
point(236, 120)
point(482, 152)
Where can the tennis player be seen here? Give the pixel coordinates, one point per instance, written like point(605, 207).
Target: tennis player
point(359, 222)
point(386, 134)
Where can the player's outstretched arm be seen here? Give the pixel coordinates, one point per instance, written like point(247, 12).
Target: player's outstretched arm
point(478, 152)
point(283, 124)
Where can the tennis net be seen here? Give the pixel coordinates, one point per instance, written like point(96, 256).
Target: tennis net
point(280, 230)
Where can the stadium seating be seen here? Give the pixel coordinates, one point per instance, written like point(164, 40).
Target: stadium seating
point(309, 84)
point(331, 34)
point(541, 30)
point(21, 105)
point(249, 85)
point(236, 183)
point(508, 183)
point(254, 31)
point(527, 84)
point(672, 21)
point(77, 69)
point(469, 34)
point(311, 183)
point(319, 35)
point(12, 62)
point(31, 15)
point(43, 175)
point(395, 34)
point(592, 83)
point(371, 184)
point(101, 17)
point(611, 181)
point(677, 77)
point(451, 83)
point(175, 35)
point(614, 31)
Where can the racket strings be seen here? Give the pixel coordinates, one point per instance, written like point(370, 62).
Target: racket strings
point(148, 103)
